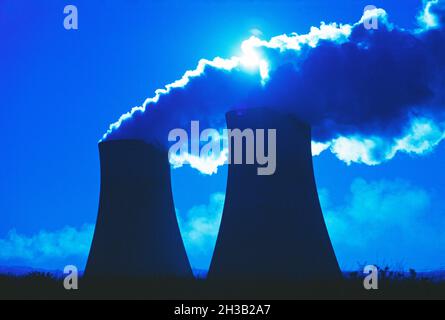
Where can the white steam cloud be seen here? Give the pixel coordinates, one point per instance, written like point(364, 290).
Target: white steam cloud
point(68, 246)
point(383, 223)
point(261, 58)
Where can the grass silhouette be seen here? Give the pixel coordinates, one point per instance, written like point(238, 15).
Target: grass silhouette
point(392, 285)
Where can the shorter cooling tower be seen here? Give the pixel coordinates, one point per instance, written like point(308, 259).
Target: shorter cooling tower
point(272, 227)
point(137, 233)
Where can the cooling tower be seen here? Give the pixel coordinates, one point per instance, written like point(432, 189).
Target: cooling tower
point(272, 227)
point(137, 233)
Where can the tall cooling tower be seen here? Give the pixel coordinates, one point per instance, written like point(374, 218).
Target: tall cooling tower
point(272, 226)
point(137, 234)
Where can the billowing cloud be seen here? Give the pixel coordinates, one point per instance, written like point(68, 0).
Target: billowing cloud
point(422, 137)
point(380, 222)
point(199, 228)
point(432, 15)
point(49, 250)
point(318, 147)
point(361, 90)
point(384, 222)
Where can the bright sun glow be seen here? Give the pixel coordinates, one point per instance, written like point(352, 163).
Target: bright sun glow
point(251, 58)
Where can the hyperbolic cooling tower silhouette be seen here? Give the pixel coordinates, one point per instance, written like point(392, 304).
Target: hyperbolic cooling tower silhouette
point(137, 233)
point(272, 226)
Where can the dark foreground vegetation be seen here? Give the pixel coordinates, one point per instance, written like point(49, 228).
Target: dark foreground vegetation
point(392, 285)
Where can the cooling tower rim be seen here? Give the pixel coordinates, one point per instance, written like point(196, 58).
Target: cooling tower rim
point(236, 112)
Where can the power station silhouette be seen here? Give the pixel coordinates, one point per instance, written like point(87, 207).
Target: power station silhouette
point(272, 227)
point(137, 234)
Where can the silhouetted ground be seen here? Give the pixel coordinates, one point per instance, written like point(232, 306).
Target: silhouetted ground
point(392, 285)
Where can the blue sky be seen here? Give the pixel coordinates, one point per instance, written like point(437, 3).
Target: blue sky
point(61, 89)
